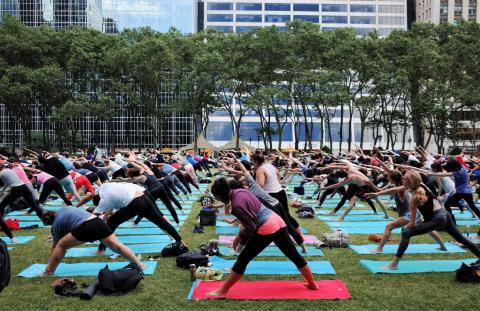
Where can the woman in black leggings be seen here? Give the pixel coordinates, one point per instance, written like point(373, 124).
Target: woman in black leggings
point(435, 217)
point(260, 226)
point(332, 179)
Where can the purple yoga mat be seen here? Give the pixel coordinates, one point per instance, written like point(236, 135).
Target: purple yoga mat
point(228, 239)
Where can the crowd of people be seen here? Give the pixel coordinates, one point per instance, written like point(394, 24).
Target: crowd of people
point(423, 186)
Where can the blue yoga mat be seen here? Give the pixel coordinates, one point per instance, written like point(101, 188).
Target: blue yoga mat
point(147, 224)
point(377, 217)
point(273, 267)
point(133, 231)
point(415, 266)
point(235, 230)
point(24, 218)
point(136, 248)
point(371, 230)
point(357, 224)
point(81, 269)
point(137, 239)
point(471, 222)
point(321, 211)
point(22, 239)
point(412, 249)
point(272, 251)
point(31, 223)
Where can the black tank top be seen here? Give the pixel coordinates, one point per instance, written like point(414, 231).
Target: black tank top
point(151, 182)
point(427, 208)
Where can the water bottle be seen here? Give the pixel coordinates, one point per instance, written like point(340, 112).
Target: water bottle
point(467, 231)
point(193, 270)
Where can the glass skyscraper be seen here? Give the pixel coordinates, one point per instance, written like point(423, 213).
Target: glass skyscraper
point(363, 15)
point(109, 16)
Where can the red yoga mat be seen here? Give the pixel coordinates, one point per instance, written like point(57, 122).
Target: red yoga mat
point(274, 290)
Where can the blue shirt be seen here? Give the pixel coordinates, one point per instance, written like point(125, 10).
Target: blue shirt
point(68, 165)
point(167, 168)
point(462, 181)
point(66, 220)
point(476, 173)
point(191, 160)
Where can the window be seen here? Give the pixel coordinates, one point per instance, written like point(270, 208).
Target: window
point(244, 18)
point(334, 19)
point(362, 19)
point(277, 6)
point(390, 9)
point(220, 18)
point(306, 7)
point(220, 6)
point(385, 31)
point(364, 31)
point(219, 130)
point(365, 8)
point(335, 130)
point(328, 28)
point(472, 10)
point(334, 8)
point(225, 29)
point(307, 18)
point(391, 20)
point(277, 18)
point(246, 28)
point(315, 133)
point(242, 6)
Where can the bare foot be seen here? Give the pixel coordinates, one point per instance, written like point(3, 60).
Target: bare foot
point(143, 266)
point(99, 252)
point(28, 214)
point(312, 286)
point(183, 212)
point(339, 218)
point(376, 251)
point(304, 249)
point(216, 293)
point(332, 213)
point(13, 240)
point(133, 224)
point(390, 266)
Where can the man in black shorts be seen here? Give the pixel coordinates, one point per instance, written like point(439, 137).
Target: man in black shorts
point(74, 226)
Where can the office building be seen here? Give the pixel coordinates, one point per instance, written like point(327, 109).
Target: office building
point(364, 16)
point(447, 11)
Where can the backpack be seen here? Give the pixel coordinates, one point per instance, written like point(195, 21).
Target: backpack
point(305, 215)
point(119, 281)
point(305, 208)
point(468, 273)
point(299, 190)
point(4, 265)
point(208, 216)
point(174, 249)
point(336, 239)
point(186, 259)
point(210, 248)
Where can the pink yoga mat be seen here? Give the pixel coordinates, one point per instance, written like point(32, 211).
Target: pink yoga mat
point(274, 290)
point(228, 239)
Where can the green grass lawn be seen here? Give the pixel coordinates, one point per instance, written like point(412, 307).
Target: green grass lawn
point(167, 289)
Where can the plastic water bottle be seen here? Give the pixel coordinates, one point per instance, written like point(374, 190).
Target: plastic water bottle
point(193, 269)
point(467, 231)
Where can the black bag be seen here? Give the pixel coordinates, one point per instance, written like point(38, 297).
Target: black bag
point(204, 181)
point(5, 272)
point(299, 190)
point(186, 259)
point(174, 249)
point(119, 281)
point(208, 217)
point(468, 273)
point(210, 248)
point(305, 208)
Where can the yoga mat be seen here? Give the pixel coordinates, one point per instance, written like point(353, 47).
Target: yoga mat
point(412, 249)
point(132, 231)
point(377, 217)
point(372, 230)
point(273, 290)
point(272, 251)
point(136, 248)
point(357, 224)
point(10, 248)
point(81, 269)
point(27, 218)
point(138, 239)
point(415, 266)
point(31, 223)
point(147, 224)
point(273, 267)
point(321, 211)
point(235, 230)
point(22, 239)
point(223, 224)
point(471, 222)
point(228, 239)
point(223, 217)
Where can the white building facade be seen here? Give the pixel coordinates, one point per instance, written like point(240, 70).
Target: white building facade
point(447, 11)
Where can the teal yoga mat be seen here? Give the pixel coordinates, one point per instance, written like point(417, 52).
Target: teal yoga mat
point(136, 231)
point(356, 218)
point(272, 251)
point(356, 224)
point(138, 239)
point(152, 248)
point(147, 224)
point(235, 230)
point(81, 269)
point(31, 223)
point(415, 266)
point(321, 211)
point(22, 239)
point(273, 267)
point(371, 230)
point(412, 249)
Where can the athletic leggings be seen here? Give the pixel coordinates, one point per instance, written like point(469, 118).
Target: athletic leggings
point(455, 199)
point(258, 243)
point(278, 209)
point(281, 196)
point(190, 180)
point(142, 206)
point(170, 194)
point(53, 185)
point(21, 192)
point(182, 179)
point(119, 173)
point(441, 220)
point(352, 191)
point(328, 192)
point(162, 194)
point(174, 184)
